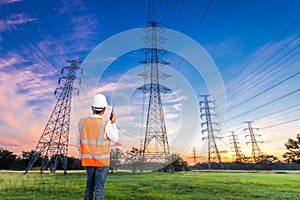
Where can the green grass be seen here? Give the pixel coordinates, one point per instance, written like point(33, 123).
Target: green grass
point(185, 185)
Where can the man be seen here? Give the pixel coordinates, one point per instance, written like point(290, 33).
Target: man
point(93, 142)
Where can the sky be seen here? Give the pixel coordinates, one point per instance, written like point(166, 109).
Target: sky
point(247, 51)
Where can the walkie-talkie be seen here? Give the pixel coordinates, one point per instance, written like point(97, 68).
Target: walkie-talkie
point(112, 112)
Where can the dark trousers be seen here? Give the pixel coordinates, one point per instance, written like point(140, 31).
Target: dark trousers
point(95, 180)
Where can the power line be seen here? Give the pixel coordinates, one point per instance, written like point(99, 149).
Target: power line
point(189, 13)
point(188, 16)
point(244, 80)
point(11, 41)
point(34, 29)
point(49, 29)
point(262, 78)
point(285, 113)
point(264, 91)
point(264, 49)
point(168, 14)
point(151, 10)
point(197, 29)
point(203, 17)
point(32, 50)
point(173, 13)
point(271, 126)
point(237, 126)
point(166, 10)
point(261, 106)
point(28, 38)
point(258, 76)
point(179, 15)
point(277, 112)
point(279, 131)
point(26, 74)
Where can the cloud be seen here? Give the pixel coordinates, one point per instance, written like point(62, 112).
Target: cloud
point(69, 7)
point(107, 59)
point(15, 19)
point(84, 27)
point(9, 142)
point(83, 30)
point(19, 18)
point(9, 62)
point(106, 88)
point(2, 2)
point(19, 116)
point(223, 49)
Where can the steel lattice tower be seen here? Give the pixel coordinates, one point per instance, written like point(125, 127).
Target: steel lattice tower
point(156, 146)
point(213, 152)
point(256, 152)
point(194, 155)
point(235, 146)
point(53, 144)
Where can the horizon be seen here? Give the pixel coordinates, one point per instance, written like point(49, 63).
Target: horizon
point(254, 46)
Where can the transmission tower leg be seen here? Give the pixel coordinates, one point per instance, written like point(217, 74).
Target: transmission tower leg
point(32, 161)
point(64, 164)
point(54, 164)
point(44, 164)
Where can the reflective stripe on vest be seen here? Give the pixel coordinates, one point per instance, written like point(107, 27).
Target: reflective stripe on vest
point(95, 149)
point(95, 157)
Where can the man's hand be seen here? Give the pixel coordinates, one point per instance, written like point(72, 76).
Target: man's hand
point(112, 117)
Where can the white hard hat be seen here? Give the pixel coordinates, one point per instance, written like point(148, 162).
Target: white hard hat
point(99, 102)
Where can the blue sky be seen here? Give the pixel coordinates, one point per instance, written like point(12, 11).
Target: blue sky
point(37, 37)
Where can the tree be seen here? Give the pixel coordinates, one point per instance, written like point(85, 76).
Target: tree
point(26, 155)
point(134, 159)
point(116, 156)
point(243, 159)
point(177, 164)
point(7, 159)
point(293, 147)
point(267, 161)
point(73, 163)
point(180, 165)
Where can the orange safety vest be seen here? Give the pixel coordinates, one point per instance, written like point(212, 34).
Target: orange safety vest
point(95, 149)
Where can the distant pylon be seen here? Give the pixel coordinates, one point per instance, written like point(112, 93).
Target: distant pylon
point(194, 155)
point(256, 152)
point(54, 141)
point(156, 146)
point(213, 152)
point(235, 146)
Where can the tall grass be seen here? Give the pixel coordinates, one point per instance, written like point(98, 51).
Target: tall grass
point(186, 185)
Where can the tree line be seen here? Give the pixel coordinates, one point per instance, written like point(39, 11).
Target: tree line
point(9, 160)
point(264, 162)
point(132, 160)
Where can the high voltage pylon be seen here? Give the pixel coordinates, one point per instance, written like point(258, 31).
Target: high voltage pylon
point(53, 144)
point(155, 144)
point(236, 148)
point(256, 152)
point(213, 152)
point(194, 155)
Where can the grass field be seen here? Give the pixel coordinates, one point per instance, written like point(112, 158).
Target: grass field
point(183, 185)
